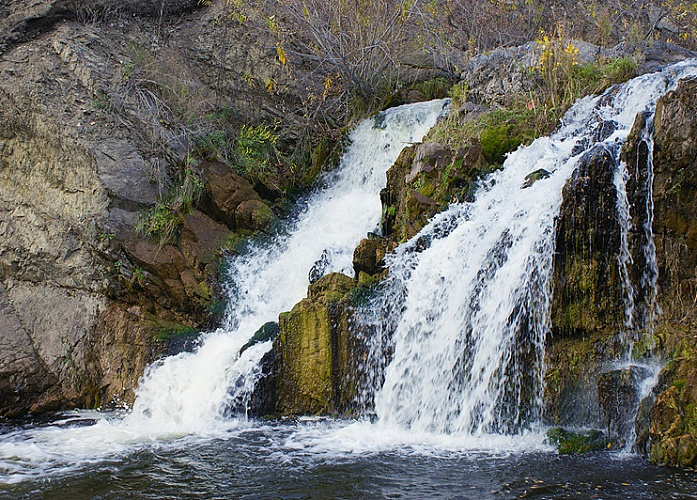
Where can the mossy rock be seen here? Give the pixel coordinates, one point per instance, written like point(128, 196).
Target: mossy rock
point(268, 331)
point(569, 442)
point(316, 351)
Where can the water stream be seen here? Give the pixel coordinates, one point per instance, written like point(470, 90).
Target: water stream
point(458, 362)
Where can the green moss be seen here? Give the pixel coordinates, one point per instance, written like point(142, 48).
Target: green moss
point(568, 442)
point(314, 350)
point(594, 78)
point(165, 330)
point(497, 141)
point(236, 242)
point(678, 384)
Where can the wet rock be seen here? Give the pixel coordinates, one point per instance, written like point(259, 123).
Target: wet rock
point(535, 176)
point(587, 286)
point(316, 351)
point(423, 181)
point(618, 395)
point(675, 187)
point(368, 257)
point(319, 268)
point(570, 442)
point(268, 331)
point(429, 156)
point(673, 420)
point(673, 415)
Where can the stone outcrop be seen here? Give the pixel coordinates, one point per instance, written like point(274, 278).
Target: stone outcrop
point(672, 430)
point(423, 181)
point(588, 289)
point(317, 351)
point(588, 310)
point(90, 144)
point(502, 74)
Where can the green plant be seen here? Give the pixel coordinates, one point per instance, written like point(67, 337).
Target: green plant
point(216, 144)
point(126, 69)
point(160, 222)
point(138, 274)
point(187, 195)
point(255, 149)
point(458, 93)
point(556, 64)
point(101, 101)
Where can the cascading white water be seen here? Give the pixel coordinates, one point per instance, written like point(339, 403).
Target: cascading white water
point(191, 392)
point(468, 337)
point(649, 274)
point(271, 277)
point(624, 256)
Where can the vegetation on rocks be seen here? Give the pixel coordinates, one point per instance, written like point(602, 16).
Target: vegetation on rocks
point(139, 141)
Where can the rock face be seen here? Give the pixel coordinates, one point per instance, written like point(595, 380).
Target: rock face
point(423, 181)
point(500, 75)
point(672, 432)
point(588, 309)
point(588, 290)
point(90, 144)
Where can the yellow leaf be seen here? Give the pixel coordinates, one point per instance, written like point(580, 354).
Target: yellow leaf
point(281, 53)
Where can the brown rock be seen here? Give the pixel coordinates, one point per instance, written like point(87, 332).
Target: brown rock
point(202, 237)
point(254, 215)
point(368, 256)
point(166, 261)
point(225, 191)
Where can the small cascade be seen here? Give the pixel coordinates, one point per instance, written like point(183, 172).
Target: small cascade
point(205, 393)
point(465, 312)
point(624, 256)
point(272, 276)
point(649, 268)
point(629, 380)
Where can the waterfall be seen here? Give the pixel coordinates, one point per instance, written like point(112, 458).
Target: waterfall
point(467, 315)
point(191, 393)
point(272, 276)
point(460, 324)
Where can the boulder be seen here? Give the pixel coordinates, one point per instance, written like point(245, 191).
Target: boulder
point(316, 351)
point(254, 215)
point(368, 256)
point(225, 191)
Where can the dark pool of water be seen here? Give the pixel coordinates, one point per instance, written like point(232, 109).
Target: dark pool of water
point(250, 465)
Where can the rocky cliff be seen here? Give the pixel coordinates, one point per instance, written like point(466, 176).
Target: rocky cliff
point(140, 141)
point(116, 189)
point(582, 386)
